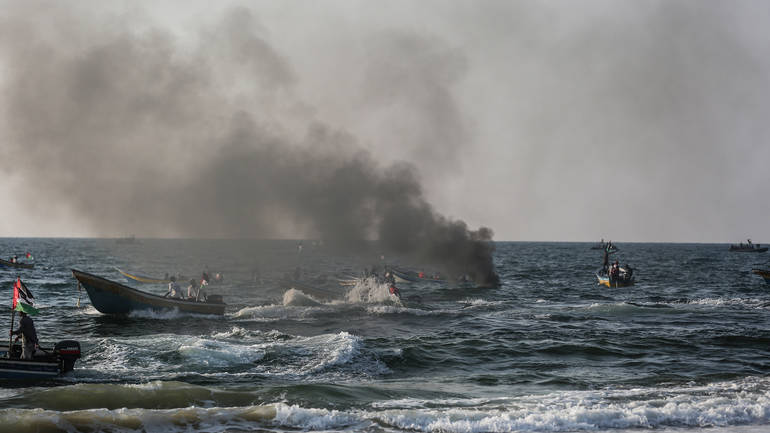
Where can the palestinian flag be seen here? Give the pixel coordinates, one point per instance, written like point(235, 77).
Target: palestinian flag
point(22, 298)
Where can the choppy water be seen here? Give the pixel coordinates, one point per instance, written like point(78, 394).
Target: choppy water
point(686, 349)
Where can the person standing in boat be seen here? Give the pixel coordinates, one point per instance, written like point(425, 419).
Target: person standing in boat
point(28, 335)
point(614, 272)
point(174, 290)
point(192, 290)
point(606, 261)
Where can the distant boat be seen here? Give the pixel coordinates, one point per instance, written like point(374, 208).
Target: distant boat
point(144, 279)
point(16, 264)
point(625, 277)
point(127, 240)
point(764, 273)
point(748, 247)
point(59, 360)
point(609, 246)
point(402, 276)
point(110, 297)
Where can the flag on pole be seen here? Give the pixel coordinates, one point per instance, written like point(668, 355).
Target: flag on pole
point(22, 298)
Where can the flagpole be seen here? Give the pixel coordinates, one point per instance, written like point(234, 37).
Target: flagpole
point(10, 336)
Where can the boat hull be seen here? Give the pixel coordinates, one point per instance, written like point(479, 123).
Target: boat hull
point(17, 264)
point(50, 362)
point(21, 369)
point(762, 273)
point(748, 250)
point(110, 297)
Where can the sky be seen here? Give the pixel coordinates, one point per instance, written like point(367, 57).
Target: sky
point(636, 121)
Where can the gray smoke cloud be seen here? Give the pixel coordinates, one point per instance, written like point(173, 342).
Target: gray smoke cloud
point(139, 133)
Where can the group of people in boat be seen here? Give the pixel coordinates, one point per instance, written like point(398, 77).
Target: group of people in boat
point(614, 271)
point(747, 246)
point(195, 290)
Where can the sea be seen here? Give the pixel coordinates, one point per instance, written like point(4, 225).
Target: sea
point(687, 349)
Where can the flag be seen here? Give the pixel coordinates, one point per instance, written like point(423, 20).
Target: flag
point(22, 298)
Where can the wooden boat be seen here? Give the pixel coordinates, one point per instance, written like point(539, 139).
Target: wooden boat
point(763, 273)
point(25, 265)
point(143, 279)
point(625, 279)
point(52, 362)
point(747, 248)
point(411, 277)
point(110, 297)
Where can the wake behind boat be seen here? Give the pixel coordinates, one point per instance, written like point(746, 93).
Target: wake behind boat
point(110, 297)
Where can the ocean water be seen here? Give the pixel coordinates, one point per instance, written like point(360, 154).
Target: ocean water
point(685, 350)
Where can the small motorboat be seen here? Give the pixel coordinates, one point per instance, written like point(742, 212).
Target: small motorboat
point(402, 276)
point(624, 278)
point(764, 273)
point(748, 247)
point(110, 297)
point(126, 240)
point(46, 363)
point(25, 265)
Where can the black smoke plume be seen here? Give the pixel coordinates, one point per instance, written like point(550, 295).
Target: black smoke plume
point(137, 132)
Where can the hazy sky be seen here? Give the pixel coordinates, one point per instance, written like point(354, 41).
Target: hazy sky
point(543, 120)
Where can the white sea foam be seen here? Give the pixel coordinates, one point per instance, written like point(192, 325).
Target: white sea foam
point(398, 309)
point(369, 291)
point(742, 406)
point(297, 298)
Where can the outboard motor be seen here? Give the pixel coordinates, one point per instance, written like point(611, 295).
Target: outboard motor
point(69, 352)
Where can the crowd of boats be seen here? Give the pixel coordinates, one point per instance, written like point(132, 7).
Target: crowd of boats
point(112, 297)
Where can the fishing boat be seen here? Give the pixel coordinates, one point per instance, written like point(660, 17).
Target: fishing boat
point(608, 246)
point(411, 277)
point(764, 273)
point(110, 297)
point(625, 277)
point(126, 240)
point(748, 247)
point(25, 265)
point(46, 363)
point(143, 279)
